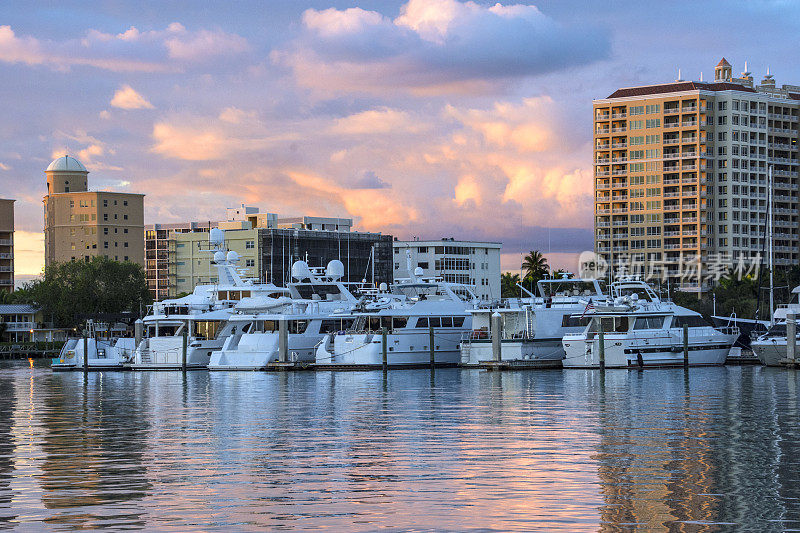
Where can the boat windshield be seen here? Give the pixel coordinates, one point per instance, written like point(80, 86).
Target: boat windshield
point(693, 321)
point(318, 291)
point(420, 291)
point(566, 288)
point(641, 292)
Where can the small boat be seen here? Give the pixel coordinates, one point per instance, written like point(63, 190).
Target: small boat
point(103, 354)
point(639, 330)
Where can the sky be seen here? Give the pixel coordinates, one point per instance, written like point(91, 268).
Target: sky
point(419, 118)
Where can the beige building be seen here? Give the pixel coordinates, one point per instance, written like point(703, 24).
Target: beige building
point(80, 224)
point(6, 245)
point(193, 255)
point(682, 176)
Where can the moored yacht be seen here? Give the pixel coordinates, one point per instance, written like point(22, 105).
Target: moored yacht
point(532, 328)
point(770, 348)
point(103, 354)
point(639, 330)
point(320, 304)
point(202, 317)
point(414, 307)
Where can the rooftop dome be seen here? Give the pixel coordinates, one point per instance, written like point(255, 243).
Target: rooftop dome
point(66, 164)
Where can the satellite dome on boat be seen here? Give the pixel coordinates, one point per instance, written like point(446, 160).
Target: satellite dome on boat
point(219, 256)
point(216, 236)
point(66, 164)
point(418, 271)
point(335, 269)
point(232, 257)
point(300, 271)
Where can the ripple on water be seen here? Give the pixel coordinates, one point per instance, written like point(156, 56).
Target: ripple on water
point(455, 450)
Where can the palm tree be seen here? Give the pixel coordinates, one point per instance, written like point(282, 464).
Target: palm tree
point(535, 266)
point(508, 285)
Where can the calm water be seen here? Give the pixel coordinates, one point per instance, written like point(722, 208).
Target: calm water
point(715, 450)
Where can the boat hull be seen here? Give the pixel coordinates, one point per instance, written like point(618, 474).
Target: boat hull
point(257, 351)
point(623, 352)
point(404, 350)
point(475, 352)
point(770, 351)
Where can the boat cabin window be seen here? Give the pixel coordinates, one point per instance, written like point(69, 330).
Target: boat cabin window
point(326, 291)
point(332, 325)
point(440, 322)
point(575, 321)
point(649, 322)
point(641, 292)
point(206, 329)
point(176, 310)
point(399, 322)
point(693, 321)
point(617, 324)
point(163, 331)
point(293, 326)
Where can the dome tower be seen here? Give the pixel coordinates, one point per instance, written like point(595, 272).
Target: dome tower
point(66, 174)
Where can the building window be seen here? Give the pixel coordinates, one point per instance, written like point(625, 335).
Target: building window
point(105, 244)
point(125, 202)
point(105, 203)
point(124, 217)
point(249, 262)
point(105, 217)
point(249, 245)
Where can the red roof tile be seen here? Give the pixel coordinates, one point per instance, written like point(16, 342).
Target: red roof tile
point(679, 87)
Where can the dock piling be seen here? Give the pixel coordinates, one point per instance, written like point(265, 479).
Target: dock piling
point(791, 337)
point(85, 351)
point(185, 347)
point(601, 339)
point(283, 340)
point(497, 330)
point(431, 341)
point(384, 348)
point(686, 346)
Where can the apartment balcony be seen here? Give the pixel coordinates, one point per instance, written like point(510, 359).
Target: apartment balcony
point(672, 233)
point(689, 124)
point(602, 161)
point(600, 248)
point(6, 282)
point(618, 210)
point(689, 245)
point(620, 198)
point(685, 168)
point(781, 130)
point(619, 115)
point(672, 208)
point(602, 211)
point(620, 248)
point(671, 181)
point(619, 173)
point(618, 223)
point(689, 154)
point(602, 131)
point(619, 145)
point(602, 117)
point(689, 109)
point(671, 141)
point(672, 246)
point(602, 173)
point(692, 139)
point(619, 159)
point(603, 224)
point(603, 186)
point(671, 125)
point(671, 194)
point(5, 255)
point(668, 157)
point(5, 242)
point(689, 207)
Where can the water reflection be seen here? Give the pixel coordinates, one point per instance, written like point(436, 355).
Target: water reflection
point(708, 450)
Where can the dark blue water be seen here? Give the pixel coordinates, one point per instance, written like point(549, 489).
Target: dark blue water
point(716, 449)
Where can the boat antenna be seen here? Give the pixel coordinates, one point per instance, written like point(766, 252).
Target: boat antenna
point(769, 242)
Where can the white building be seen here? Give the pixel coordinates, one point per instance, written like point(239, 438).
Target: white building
point(473, 263)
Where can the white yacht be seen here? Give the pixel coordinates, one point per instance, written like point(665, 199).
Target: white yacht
point(770, 348)
point(532, 328)
point(320, 304)
point(202, 316)
point(414, 305)
point(103, 354)
point(642, 331)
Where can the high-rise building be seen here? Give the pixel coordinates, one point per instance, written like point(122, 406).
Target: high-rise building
point(467, 262)
point(6, 245)
point(80, 224)
point(682, 176)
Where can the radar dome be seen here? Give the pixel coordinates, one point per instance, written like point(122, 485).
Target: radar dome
point(418, 271)
point(232, 257)
point(300, 271)
point(219, 257)
point(382, 287)
point(335, 269)
point(216, 236)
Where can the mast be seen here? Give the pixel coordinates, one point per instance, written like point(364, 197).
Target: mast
point(372, 258)
point(770, 244)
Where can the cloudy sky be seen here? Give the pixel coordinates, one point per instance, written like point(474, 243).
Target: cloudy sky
point(429, 118)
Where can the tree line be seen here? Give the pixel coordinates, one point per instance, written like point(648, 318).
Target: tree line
point(68, 291)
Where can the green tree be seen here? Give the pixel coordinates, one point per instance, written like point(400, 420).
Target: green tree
point(508, 285)
point(74, 288)
point(534, 265)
